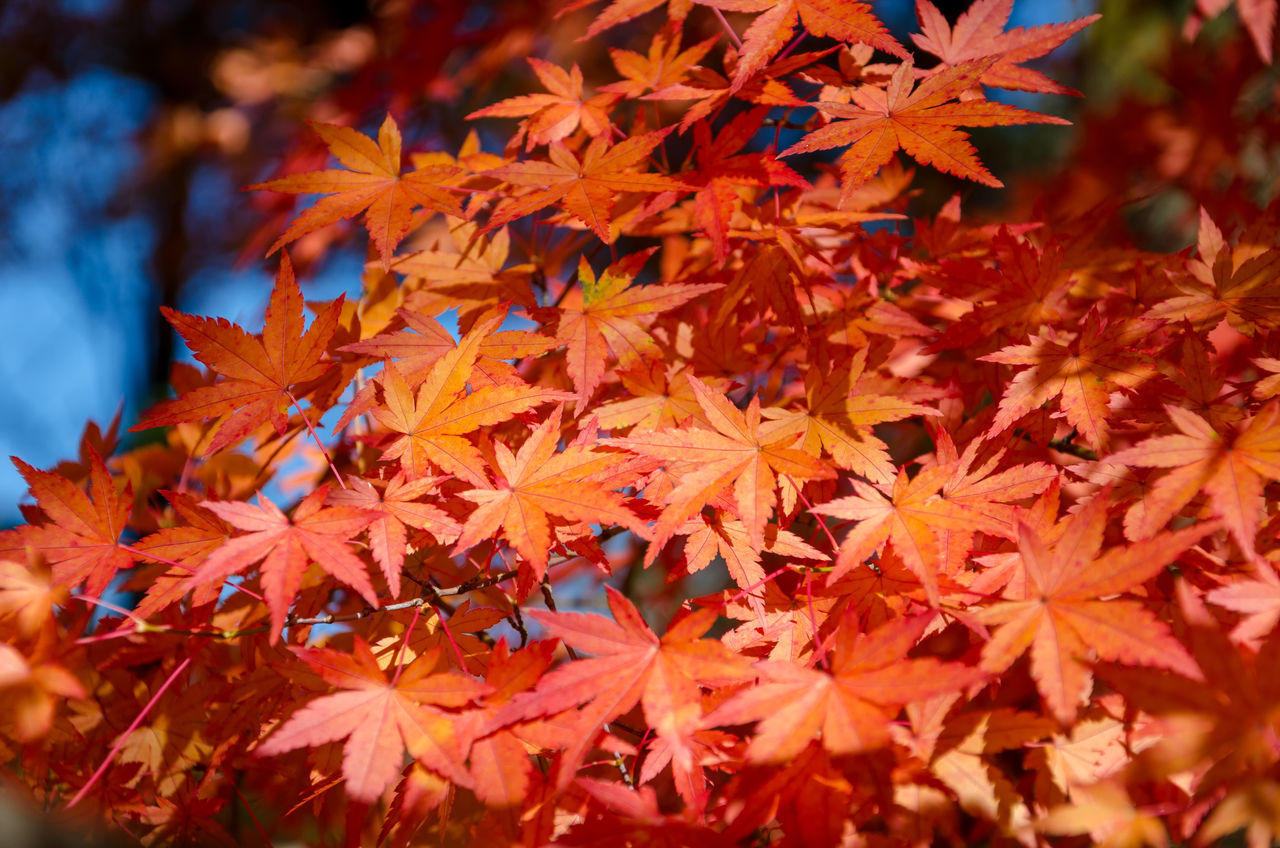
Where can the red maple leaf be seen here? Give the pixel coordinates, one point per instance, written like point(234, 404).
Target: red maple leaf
point(738, 456)
point(537, 482)
point(553, 117)
point(286, 546)
point(630, 665)
point(1083, 369)
point(921, 121)
point(849, 707)
point(1059, 616)
point(979, 32)
point(851, 21)
point(585, 187)
point(262, 375)
point(80, 536)
point(396, 507)
point(610, 315)
point(381, 719)
point(1229, 462)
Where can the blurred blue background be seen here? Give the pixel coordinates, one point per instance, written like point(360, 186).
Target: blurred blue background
point(91, 212)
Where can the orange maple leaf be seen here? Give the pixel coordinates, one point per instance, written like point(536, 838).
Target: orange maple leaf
point(586, 188)
point(28, 596)
point(708, 537)
point(911, 514)
point(1083, 369)
point(920, 122)
point(721, 169)
point(665, 64)
point(630, 665)
point(285, 547)
point(609, 315)
point(851, 707)
point(738, 453)
point(396, 507)
point(842, 404)
point(979, 32)
point(535, 483)
point(1057, 613)
point(553, 117)
point(433, 423)
point(31, 688)
point(263, 375)
point(1230, 463)
point(80, 538)
point(500, 763)
point(1240, 283)
point(372, 184)
point(381, 719)
point(851, 21)
point(468, 273)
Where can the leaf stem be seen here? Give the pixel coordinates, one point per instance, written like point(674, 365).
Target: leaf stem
point(115, 749)
point(733, 36)
point(316, 437)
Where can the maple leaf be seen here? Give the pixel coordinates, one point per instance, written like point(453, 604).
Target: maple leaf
point(1105, 812)
point(1021, 288)
point(921, 122)
point(621, 11)
point(263, 375)
point(661, 398)
point(630, 665)
point(851, 706)
point(979, 32)
point(553, 117)
point(1230, 463)
point(664, 65)
point(398, 507)
point(186, 544)
point(285, 546)
point(610, 315)
point(1082, 370)
point(911, 514)
point(713, 91)
point(585, 188)
point(1059, 617)
point(1257, 600)
point(500, 765)
point(1240, 284)
point(371, 184)
point(433, 422)
point(30, 690)
point(718, 171)
point(80, 537)
point(472, 277)
point(843, 403)
point(29, 595)
point(416, 351)
point(737, 452)
point(844, 20)
point(381, 719)
point(536, 482)
point(708, 537)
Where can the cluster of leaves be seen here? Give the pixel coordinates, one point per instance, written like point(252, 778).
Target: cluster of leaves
point(933, 530)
